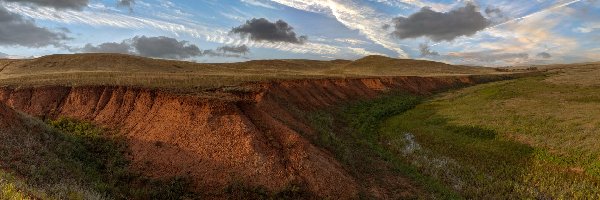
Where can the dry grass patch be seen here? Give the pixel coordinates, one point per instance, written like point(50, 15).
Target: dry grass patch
point(126, 70)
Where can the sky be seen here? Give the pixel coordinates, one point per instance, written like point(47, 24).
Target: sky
point(471, 32)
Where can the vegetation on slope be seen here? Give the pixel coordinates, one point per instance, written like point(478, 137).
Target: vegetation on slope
point(526, 138)
point(70, 159)
point(351, 133)
point(128, 70)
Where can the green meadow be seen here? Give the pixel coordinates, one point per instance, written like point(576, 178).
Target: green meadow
point(529, 138)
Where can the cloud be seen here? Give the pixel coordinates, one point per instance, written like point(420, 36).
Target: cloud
point(258, 3)
point(57, 4)
point(165, 47)
point(426, 51)
point(162, 47)
point(495, 13)
point(386, 27)
point(242, 49)
point(96, 16)
point(535, 32)
point(3, 55)
point(263, 30)
point(438, 26)
point(489, 56)
point(406, 4)
point(18, 31)
point(363, 52)
point(126, 3)
point(109, 47)
point(587, 27)
point(351, 41)
point(354, 15)
point(544, 55)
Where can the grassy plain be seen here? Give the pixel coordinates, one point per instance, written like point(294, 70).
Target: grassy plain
point(126, 70)
point(529, 138)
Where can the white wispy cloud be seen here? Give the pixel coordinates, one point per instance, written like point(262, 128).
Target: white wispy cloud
point(363, 52)
point(99, 16)
point(406, 4)
point(560, 4)
point(258, 3)
point(351, 41)
point(354, 16)
point(531, 33)
point(588, 27)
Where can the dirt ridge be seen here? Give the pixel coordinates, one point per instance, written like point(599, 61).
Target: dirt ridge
point(252, 137)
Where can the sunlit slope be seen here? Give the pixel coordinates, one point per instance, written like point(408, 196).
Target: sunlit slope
point(383, 66)
point(534, 137)
point(118, 69)
point(69, 159)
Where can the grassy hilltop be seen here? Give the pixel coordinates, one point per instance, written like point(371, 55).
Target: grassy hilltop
point(125, 70)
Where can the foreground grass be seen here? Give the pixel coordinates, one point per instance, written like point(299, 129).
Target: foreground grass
point(510, 139)
point(351, 132)
point(519, 139)
point(69, 159)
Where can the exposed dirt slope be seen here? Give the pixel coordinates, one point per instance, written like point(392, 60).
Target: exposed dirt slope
point(252, 137)
point(9, 118)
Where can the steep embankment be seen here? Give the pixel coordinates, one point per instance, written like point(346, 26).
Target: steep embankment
point(250, 136)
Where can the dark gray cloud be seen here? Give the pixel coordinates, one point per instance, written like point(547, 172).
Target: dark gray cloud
point(228, 51)
point(264, 30)
point(109, 47)
point(126, 3)
point(545, 55)
point(386, 27)
point(493, 11)
point(242, 50)
point(57, 4)
point(18, 31)
point(3, 55)
point(426, 51)
point(495, 14)
point(162, 47)
point(438, 26)
point(165, 47)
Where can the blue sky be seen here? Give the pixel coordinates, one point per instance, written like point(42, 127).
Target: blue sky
point(518, 33)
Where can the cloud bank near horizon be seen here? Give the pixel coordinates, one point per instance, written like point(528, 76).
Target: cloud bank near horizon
point(481, 32)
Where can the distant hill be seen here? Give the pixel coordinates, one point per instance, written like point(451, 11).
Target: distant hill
point(103, 69)
point(381, 66)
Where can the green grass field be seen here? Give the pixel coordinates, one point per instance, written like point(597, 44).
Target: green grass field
point(530, 138)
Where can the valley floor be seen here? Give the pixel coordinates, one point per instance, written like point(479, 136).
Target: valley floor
point(533, 137)
point(528, 138)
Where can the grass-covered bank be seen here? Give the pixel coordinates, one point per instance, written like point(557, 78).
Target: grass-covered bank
point(524, 138)
point(70, 159)
point(352, 133)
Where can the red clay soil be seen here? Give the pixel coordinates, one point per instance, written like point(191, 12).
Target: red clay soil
point(250, 138)
point(9, 118)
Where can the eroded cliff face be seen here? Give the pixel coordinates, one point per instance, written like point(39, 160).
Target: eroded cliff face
point(218, 138)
